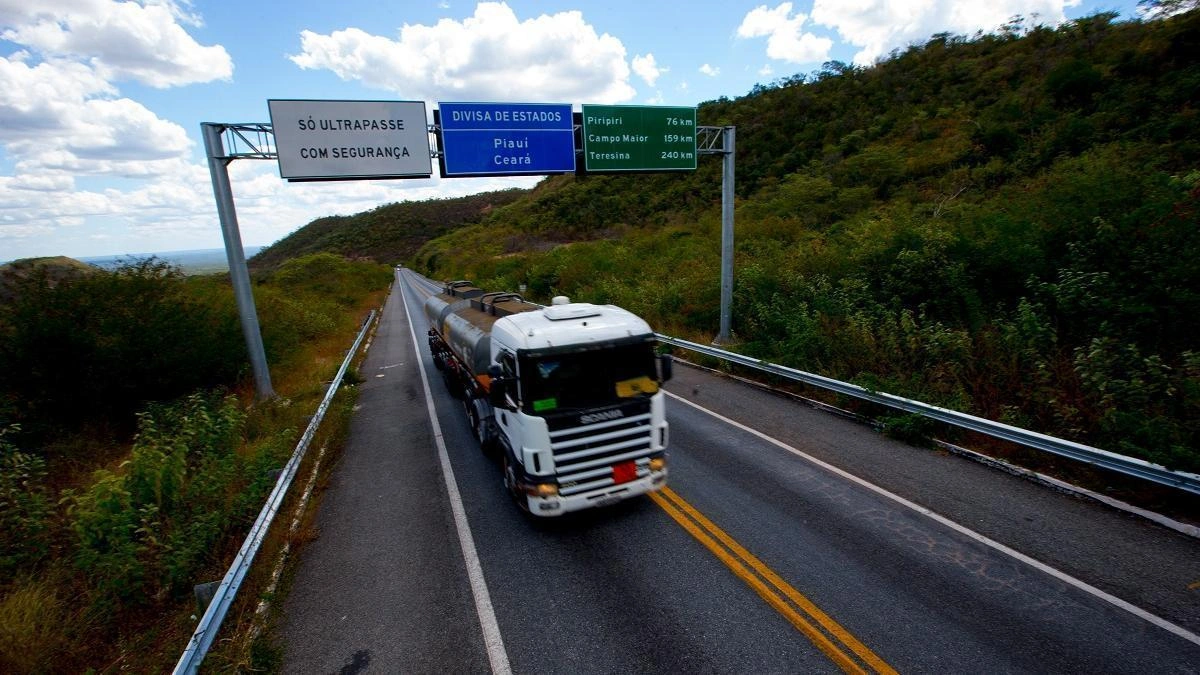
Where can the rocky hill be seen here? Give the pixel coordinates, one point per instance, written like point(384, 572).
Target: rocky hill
point(55, 269)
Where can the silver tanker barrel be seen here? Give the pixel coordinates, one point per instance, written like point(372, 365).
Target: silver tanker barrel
point(469, 342)
point(455, 294)
point(434, 306)
point(468, 333)
point(464, 314)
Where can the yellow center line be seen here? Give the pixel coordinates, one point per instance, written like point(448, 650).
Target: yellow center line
point(701, 528)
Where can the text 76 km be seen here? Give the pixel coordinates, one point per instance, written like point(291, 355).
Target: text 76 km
point(678, 122)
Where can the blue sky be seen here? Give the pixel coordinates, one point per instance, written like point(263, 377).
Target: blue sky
point(100, 147)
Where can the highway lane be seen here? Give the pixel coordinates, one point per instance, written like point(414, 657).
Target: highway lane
point(1130, 557)
point(922, 596)
point(630, 589)
point(608, 591)
point(383, 584)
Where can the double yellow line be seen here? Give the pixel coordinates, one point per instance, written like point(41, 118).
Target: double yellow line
point(826, 634)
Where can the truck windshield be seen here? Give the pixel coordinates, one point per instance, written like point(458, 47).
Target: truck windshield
point(587, 379)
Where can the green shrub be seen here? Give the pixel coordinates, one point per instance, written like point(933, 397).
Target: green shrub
point(105, 522)
point(98, 347)
point(150, 527)
point(25, 507)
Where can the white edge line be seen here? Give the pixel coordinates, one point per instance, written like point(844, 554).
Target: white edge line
point(1057, 574)
point(483, 600)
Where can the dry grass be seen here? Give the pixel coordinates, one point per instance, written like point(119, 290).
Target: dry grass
point(32, 617)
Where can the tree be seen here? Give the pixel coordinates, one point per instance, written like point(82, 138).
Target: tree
point(1160, 9)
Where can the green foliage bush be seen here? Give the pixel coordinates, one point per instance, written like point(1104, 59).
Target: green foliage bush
point(25, 507)
point(99, 346)
point(148, 527)
point(103, 355)
point(310, 297)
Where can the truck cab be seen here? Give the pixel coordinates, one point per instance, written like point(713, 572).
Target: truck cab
point(578, 413)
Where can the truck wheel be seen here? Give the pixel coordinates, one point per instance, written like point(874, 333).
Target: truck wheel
point(487, 441)
point(451, 384)
point(473, 418)
point(510, 485)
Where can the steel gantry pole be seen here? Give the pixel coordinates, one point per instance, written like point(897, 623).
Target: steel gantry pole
point(727, 164)
point(721, 141)
point(218, 162)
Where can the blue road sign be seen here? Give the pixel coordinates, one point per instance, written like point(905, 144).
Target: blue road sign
point(506, 139)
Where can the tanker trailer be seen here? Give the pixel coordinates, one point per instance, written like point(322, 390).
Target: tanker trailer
point(568, 395)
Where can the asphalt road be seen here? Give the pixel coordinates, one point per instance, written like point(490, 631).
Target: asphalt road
point(759, 559)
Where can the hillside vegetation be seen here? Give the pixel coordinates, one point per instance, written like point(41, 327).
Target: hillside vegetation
point(132, 458)
point(388, 234)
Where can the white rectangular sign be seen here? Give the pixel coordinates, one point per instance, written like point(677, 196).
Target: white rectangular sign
point(350, 139)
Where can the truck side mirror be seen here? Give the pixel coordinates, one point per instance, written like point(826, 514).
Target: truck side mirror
point(665, 365)
point(498, 389)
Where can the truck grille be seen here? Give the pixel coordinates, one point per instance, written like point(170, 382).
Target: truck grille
point(584, 455)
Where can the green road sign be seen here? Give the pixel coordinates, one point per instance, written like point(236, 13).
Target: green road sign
point(638, 138)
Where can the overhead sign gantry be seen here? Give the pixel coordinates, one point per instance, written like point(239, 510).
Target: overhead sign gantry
point(359, 140)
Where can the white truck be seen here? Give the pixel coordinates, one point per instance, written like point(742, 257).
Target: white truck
point(567, 395)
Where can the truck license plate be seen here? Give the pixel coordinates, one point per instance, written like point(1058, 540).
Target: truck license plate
point(624, 472)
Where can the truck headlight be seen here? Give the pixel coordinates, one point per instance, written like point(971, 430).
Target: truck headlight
point(658, 463)
point(545, 490)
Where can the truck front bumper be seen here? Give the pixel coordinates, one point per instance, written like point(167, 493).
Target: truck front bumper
point(557, 505)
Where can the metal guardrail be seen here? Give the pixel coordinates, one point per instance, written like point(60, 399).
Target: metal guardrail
point(210, 623)
point(1077, 451)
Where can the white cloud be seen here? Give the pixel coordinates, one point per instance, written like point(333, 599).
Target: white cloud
point(709, 70)
point(490, 55)
point(120, 40)
point(766, 70)
point(786, 40)
point(647, 69)
point(41, 97)
point(64, 122)
point(62, 116)
point(878, 27)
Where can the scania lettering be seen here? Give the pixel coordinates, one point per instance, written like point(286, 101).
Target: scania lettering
point(568, 395)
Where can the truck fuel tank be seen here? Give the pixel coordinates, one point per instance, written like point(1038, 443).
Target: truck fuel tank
point(455, 294)
point(464, 315)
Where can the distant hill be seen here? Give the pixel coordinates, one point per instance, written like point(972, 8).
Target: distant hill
point(190, 262)
point(388, 234)
point(55, 268)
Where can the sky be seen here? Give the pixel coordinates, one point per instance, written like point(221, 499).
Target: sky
point(100, 145)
